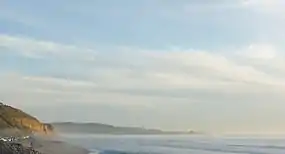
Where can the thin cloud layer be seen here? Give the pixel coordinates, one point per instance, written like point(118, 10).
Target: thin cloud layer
point(149, 79)
point(32, 48)
point(216, 65)
point(177, 68)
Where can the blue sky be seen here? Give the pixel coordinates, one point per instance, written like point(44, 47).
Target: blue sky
point(189, 24)
point(147, 63)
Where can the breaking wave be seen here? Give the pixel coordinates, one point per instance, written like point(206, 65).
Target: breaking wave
point(180, 145)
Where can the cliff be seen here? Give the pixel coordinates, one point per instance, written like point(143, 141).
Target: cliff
point(16, 127)
point(15, 119)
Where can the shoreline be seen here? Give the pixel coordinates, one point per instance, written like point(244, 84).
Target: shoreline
point(56, 146)
point(41, 145)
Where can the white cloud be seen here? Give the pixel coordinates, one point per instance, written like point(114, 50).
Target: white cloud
point(261, 51)
point(266, 3)
point(125, 68)
point(39, 49)
point(245, 79)
point(268, 6)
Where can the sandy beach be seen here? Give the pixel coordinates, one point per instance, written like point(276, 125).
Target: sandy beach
point(57, 147)
point(53, 146)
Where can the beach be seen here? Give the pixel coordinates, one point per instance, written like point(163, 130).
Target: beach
point(40, 145)
point(51, 145)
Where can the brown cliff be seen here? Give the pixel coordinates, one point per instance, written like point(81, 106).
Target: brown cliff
point(16, 119)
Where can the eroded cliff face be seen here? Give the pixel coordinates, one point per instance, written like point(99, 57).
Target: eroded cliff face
point(12, 118)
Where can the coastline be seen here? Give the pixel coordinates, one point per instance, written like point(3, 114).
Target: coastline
point(50, 145)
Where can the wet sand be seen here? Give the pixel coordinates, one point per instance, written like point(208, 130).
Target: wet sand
point(56, 147)
point(51, 146)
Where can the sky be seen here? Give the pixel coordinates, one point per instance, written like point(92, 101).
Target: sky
point(207, 65)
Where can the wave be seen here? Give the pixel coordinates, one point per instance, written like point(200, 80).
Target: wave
point(259, 146)
point(216, 149)
point(117, 152)
point(209, 149)
point(171, 145)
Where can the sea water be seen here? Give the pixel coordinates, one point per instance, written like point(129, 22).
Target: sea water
point(178, 144)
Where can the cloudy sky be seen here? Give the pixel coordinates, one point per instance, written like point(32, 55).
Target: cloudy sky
point(210, 65)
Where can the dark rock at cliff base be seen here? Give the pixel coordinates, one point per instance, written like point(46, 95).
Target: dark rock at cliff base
point(15, 148)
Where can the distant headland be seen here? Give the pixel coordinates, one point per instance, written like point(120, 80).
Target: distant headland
point(99, 128)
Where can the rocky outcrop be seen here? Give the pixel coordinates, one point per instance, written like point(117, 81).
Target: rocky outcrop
point(15, 148)
point(21, 133)
point(12, 118)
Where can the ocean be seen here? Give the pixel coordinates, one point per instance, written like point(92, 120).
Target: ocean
point(178, 144)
